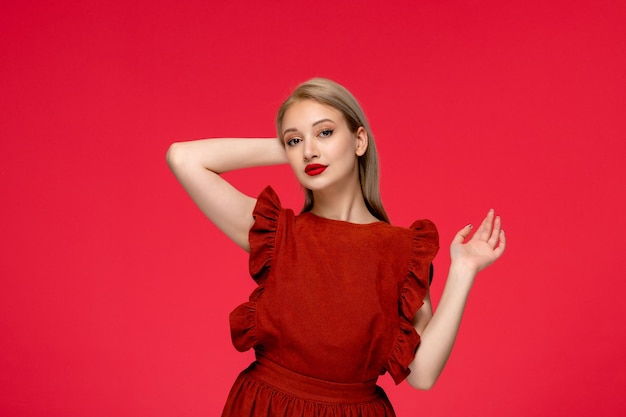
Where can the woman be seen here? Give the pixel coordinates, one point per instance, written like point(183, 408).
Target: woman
point(342, 295)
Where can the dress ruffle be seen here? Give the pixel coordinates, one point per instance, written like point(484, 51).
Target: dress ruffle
point(262, 239)
point(424, 248)
point(262, 235)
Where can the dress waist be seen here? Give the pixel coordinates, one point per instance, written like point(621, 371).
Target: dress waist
point(312, 389)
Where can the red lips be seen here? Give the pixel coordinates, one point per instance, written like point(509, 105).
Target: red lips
point(314, 169)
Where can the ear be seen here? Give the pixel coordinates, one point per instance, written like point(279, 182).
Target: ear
point(361, 140)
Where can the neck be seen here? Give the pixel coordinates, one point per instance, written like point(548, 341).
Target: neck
point(345, 203)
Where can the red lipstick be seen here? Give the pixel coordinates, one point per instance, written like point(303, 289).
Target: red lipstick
point(314, 169)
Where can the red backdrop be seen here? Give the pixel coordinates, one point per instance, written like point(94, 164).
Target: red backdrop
point(115, 291)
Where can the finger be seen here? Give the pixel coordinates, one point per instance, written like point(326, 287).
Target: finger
point(499, 250)
point(462, 234)
point(495, 233)
point(484, 230)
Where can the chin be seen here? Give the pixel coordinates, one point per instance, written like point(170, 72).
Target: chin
point(310, 183)
point(308, 186)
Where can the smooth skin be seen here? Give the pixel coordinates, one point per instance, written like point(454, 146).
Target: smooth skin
point(316, 133)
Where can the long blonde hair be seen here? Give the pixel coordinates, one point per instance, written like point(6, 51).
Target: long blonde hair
point(330, 93)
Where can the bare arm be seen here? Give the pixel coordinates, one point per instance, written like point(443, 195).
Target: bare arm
point(438, 331)
point(197, 165)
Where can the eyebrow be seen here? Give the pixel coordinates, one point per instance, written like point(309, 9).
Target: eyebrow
point(293, 129)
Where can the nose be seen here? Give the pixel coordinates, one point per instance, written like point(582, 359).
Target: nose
point(310, 149)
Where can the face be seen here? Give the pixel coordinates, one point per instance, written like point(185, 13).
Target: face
point(320, 147)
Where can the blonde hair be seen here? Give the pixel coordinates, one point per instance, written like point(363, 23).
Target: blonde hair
point(330, 93)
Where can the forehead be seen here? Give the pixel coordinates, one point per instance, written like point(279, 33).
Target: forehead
point(305, 113)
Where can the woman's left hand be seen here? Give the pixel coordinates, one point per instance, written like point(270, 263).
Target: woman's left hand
point(485, 246)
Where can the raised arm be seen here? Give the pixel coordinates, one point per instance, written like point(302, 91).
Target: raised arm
point(198, 165)
point(438, 331)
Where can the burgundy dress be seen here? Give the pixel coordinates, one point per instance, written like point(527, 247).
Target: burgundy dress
point(332, 312)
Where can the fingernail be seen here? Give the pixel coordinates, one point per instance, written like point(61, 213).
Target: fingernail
point(469, 225)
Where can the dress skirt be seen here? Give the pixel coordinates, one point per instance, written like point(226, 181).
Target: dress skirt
point(266, 389)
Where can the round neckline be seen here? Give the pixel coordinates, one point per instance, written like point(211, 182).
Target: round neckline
point(342, 221)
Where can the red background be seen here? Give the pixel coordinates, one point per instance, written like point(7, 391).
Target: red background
point(115, 291)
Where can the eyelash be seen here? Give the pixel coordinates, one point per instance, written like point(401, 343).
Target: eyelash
point(290, 142)
point(326, 133)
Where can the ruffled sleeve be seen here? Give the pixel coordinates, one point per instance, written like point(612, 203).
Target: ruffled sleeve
point(262, 235)
point(262, 238)
point(424, 247)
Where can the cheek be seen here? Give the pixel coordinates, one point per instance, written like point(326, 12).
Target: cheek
point(294, 160)
point(346, 150)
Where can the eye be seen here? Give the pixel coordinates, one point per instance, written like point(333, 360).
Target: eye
point(326, 133)
point(293, 141)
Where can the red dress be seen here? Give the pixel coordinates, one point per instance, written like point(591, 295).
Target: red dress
point(332, 312)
